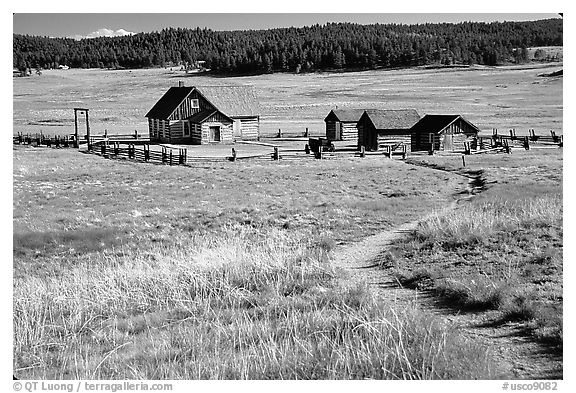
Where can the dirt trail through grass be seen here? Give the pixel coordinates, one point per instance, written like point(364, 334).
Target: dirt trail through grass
point(517, 356)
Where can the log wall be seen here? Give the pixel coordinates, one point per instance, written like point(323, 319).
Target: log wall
point(250, 128)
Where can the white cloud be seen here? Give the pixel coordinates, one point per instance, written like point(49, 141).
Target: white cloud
point(104, 32)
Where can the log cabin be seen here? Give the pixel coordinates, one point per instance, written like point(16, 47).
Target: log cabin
point(205, 114)
point(341, 124)
point(442, 132)
point(378, 127)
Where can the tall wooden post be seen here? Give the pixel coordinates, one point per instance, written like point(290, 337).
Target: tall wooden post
point(88, 130)
point(76, 144)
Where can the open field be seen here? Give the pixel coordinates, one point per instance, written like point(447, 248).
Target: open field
point(500, 253)
point(502, 97)
point(225, 269)
point(126, 270)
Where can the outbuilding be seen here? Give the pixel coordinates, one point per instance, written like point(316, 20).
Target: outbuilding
point(386, 127)
point(341, 124)
point(442, 132)
point(205, 114)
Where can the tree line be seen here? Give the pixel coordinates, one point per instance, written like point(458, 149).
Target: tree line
point(334, 46)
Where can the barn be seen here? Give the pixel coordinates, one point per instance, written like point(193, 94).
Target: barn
point(442, 132)
point(341, 124)
point(205, 114)
point(386, 127)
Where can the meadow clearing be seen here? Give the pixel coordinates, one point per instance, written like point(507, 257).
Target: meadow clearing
point(223, 270)
point(502, 97)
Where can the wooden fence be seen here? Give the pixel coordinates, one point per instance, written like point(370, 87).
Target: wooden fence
point(115, 150)
point(40, 139)
point(133, 138)
point(526, 141)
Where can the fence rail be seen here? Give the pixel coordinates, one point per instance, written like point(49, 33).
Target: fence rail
point(166, 156)
point(40, 139)
point(526, 140)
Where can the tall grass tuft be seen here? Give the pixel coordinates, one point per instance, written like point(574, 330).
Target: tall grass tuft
point(493, 254)
point(236, 306)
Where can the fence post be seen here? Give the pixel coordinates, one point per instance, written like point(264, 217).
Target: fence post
point(135, 134)
point(170, 157)
point(233, 158)
point(306, 133)
point(276, 154)
point(526, 143)
point(163, 154)
point(362, 151)
point(146, 152)
point(463, 160)
point(103, 149)
point(306, 149)
point(279, 133)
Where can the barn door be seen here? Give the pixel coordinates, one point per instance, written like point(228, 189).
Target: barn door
point(338, 132)
point(215, 134)
point(448, 142)
point(237, 129)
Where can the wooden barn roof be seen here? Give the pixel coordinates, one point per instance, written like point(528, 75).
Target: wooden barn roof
point(233, 101)
point(345, 115)
point(169, 102)
point(199, 117)
point(393, 119)
point(437, 123)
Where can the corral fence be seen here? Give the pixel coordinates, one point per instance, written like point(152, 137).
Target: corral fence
point(143, 153)
point(525, 141)
point(133, 138)
point(180, 156)
point(39, 139)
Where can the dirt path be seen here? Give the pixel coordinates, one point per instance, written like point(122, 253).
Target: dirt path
point(517, 356)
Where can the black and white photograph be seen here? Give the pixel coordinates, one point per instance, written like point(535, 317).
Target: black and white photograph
point(284, 196)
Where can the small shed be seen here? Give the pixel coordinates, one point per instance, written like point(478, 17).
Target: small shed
point(442, 132)
point(341, 124)
point(205, 114)
point(380, 127)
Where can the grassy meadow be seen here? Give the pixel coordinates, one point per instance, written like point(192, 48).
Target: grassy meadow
point(128, 270)
point(501, 250)
point(490, 97)
point(223, 269)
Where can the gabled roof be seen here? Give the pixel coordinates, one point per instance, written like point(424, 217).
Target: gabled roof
point(389, 119)
point(169, 102)
point(233, 101)
point(437, 123)
point(199, 117)
point(345, 115)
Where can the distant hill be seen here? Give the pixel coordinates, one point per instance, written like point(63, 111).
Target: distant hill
point(334, 46)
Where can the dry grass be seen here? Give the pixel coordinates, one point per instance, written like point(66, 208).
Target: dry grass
point(63, 199)
point(118, 100)
point(501, 251)
point(226, 307)
point(127, 270)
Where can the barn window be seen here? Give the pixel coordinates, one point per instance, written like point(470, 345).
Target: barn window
point(186, 128)
point(195, 104)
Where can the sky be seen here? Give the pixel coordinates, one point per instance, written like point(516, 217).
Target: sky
point(80, 25)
